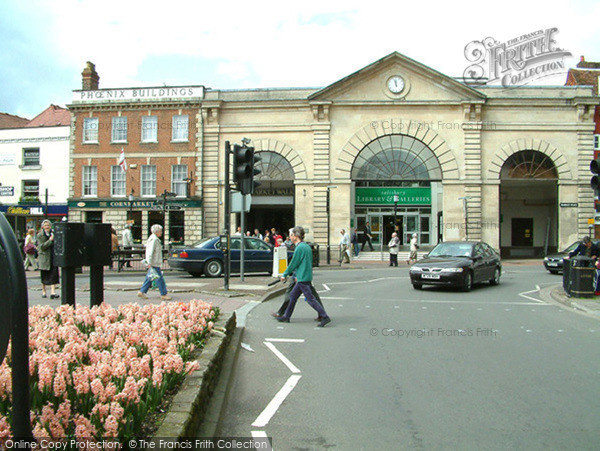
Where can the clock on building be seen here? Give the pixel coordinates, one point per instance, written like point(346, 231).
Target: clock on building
point(396, 84)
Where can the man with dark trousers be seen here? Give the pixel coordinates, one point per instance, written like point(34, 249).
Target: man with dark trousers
point(301, 264)
point(367, 237)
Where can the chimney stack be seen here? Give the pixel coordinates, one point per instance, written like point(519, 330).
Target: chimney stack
point(582, 59)
point(89, 77)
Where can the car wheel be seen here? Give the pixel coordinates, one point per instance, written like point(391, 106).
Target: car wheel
point(467, 281)
point(417, 286)
point(496, 279)
point(195, 274)
point(213, 268)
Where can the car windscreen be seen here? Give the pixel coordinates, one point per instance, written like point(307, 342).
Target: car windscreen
point(452, 250)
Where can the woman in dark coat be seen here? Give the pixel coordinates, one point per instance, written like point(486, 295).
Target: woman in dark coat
point(49, 272)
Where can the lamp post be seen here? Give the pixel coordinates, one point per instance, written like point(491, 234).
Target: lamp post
point(396, 200)
point(329, 188)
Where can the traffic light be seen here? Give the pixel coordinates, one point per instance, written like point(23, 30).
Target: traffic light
point(595, 181)
point(243, 168)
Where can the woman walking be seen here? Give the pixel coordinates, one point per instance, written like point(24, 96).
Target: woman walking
point(29, 249)
point(49, 272)
point(154, 258)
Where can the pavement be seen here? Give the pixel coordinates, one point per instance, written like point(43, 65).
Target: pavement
point(590, 306)
point(122, 287)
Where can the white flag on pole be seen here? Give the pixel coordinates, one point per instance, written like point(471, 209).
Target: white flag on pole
point(122, 161)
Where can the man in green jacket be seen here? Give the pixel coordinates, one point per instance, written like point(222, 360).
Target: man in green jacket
point(302, 264)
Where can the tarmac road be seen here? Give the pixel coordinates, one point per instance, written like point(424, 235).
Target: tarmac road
point(496, 368)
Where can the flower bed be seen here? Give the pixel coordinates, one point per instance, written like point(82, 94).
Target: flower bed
point(98, 373)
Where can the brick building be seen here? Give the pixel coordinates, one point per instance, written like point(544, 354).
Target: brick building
point(155, 130)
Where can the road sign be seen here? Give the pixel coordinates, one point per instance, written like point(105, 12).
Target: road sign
point(236, 202)
point(7, 190)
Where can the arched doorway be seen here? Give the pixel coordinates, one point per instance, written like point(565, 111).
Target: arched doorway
point(273, 200)
point(398, 187)
point(528, 205)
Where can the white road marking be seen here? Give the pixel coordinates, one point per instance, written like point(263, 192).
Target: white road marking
point(525, 293)
point(326, 287)
point(262, 438)
point(283, 358)
point(336, 298)
point(538, 287)
point(285, 340)
point(352, 329)
point(263, 419)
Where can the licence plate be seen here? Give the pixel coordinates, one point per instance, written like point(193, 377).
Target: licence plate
point(552, 264)
point(430, 276)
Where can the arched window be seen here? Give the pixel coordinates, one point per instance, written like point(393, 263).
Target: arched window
point(528, 164)
point(273, 167)
point(396, 157)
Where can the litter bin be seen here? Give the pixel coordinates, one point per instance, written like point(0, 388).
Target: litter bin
point(581, 277)
point(315, 254)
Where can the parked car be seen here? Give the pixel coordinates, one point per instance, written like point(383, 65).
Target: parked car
point(554, 262)
point(206, 257)
point(457, 263)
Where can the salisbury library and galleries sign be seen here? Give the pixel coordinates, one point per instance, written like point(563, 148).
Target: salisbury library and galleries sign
point(387, 196)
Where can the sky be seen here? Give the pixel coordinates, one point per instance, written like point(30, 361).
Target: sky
point(261, 44)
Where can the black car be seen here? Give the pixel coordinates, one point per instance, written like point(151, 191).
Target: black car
point(206, 257)
point(457, 263)
point(554, 262)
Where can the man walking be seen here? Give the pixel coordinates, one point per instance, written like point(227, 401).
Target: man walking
point(367, 237)
point(302, 264)
point(344, 247)
point(127, 245)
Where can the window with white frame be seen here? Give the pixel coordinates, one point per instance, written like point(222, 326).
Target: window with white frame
point(180, 127)
point(90, 180)
point(31, 189)
point(596, 142)
point(117, 181)
point(90, 130)
point(179, 179)
point(31, 157)
point(149, 129)
point(119, 129)
point(148, 187)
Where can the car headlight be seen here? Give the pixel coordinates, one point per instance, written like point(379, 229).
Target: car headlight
point(452, 270)
point(546, 259)
point(416, 269)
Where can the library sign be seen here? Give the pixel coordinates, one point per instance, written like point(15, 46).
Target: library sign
point(385, 196)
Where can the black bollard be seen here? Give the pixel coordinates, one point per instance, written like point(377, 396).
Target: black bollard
point(16, 287)
point(97, 254)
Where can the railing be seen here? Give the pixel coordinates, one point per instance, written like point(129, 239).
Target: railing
point(131, 259)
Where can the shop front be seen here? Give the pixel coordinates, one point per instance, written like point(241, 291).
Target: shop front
point(25, 217)
point(180, 219)
point(406, 210)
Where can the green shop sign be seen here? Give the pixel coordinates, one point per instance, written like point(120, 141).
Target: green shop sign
point(385, 196)
point(138, 204)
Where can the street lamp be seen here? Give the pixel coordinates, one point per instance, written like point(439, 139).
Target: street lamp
point(329, 188)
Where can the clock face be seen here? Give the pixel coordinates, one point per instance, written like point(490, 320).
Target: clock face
point(396, 84)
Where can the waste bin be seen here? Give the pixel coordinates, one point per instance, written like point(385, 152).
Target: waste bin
point(315, 254)
point(581, 277)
